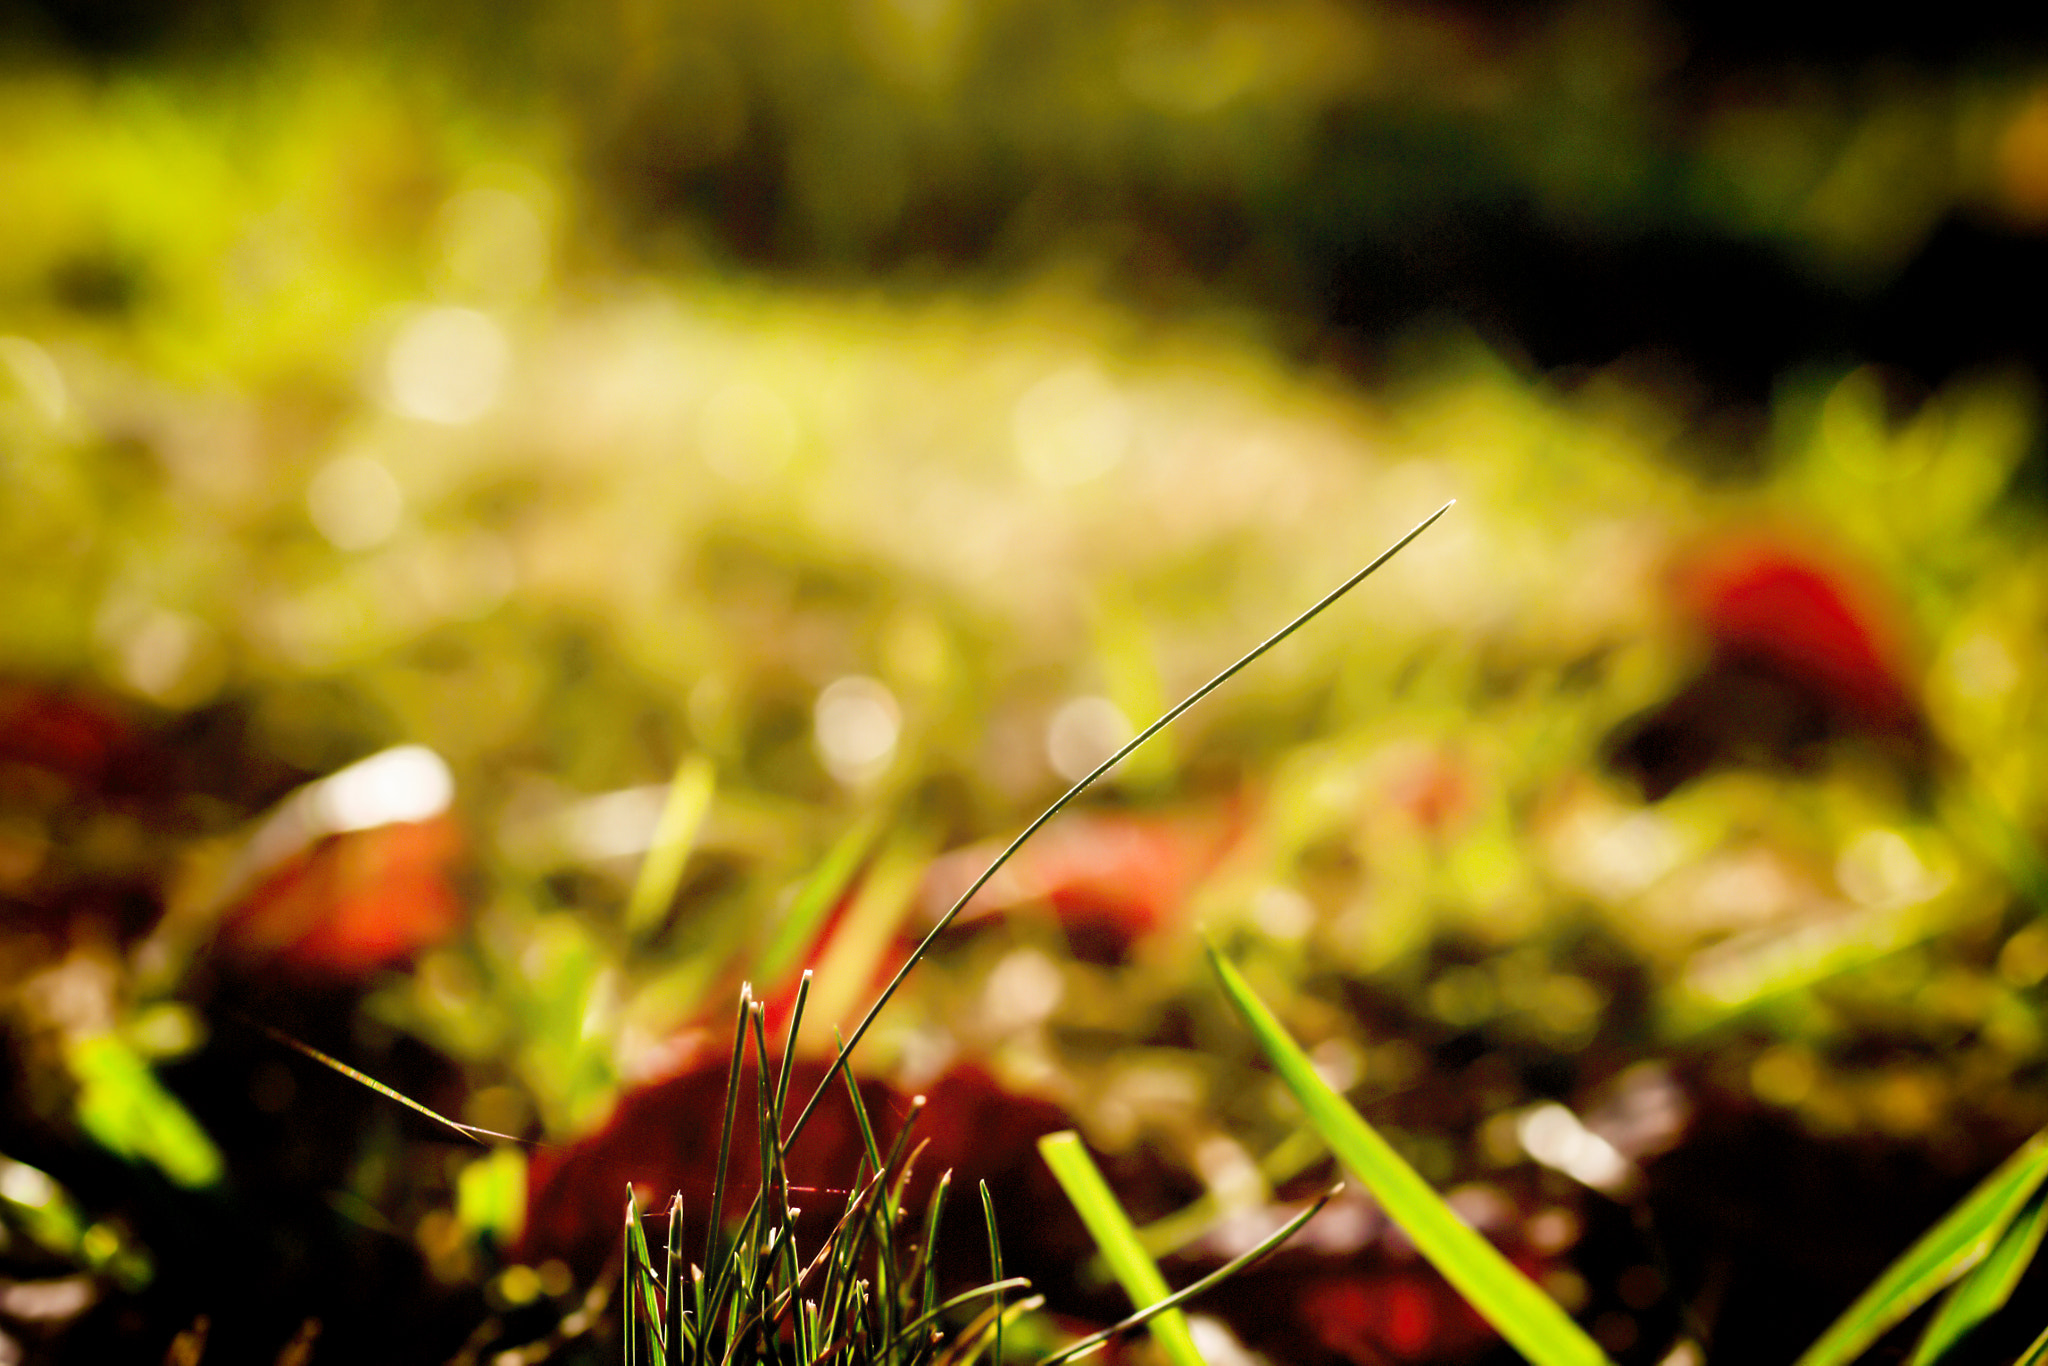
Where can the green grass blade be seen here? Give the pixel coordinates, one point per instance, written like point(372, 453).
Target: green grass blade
point(993, 1290)
point(468, 1131)
point(1530, 1320)
point(1111, 1228)
point(1243, 662)
point(1985, 1290)
point(767, 1127)
point(967, 1344)
point(796, 1024)
point(928, 1253)
point(732, 1100)
point(675, 1327)
point(638, 1262)
point(1222, 1273)
point(661, 872)
point(860, 1111)
point(2036, 1353)
point(995, 1267)
point(1941, 1255)
point(798, 927)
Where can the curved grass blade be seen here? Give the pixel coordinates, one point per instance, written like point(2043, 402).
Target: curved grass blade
point(1074, 1350)
point(1111, 1228)
point(967, 1346)
point(1168, 718)
point(1530, 1320)
point(1985, 1290)
point(2036, 1353)
point(1963, 1238)
point(994, 1289)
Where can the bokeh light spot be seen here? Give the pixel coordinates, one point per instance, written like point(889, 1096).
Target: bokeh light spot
point(855, 724)
point(448, 366)
point(1083, 733)
point(1072, 427)
point(355, 502)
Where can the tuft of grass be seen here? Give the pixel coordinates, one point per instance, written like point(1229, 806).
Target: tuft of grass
point(865, 1296)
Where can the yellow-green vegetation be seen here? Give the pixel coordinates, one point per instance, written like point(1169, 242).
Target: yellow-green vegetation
point(754, 458)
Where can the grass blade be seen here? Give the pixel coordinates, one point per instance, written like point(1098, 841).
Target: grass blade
point(468, 1131)
point(634, 1277)
point(732, 1100)
point(661, 872)
point(928, 1254)
point(674, 1326)
point(1245, 661)
point(1179, 1297)
point(995, 1267)
point(992, 1290)
point(796, 1024)
point(1530, 1320)
point(799, 925)
point(1985, 1290)
point(1111, 1228)
point(1963, 1238)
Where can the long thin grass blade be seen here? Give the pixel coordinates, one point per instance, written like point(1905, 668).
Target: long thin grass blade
point(1111, 1228)
point(967, 1346)
point(995, 1266)
point(661, 872)
point(1245, 661)
point(673, 1321)
point(1209, 1282)
point(1985, 1290)
point(768, 1129)
point(993, 1290)
point(732, 1100)
point(1530, 1320)
point(1963, 1238)
point(468, 1131)
point(796, 1024)
point(2036, 1353)
point(799, 925)
point(860, 1111)
point(928, 1254)
point(629, 1275)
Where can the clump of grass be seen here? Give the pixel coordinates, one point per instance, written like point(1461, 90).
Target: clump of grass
point(870, 1295)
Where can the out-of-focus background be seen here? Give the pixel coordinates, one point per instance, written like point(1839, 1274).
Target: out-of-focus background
point(516, 519)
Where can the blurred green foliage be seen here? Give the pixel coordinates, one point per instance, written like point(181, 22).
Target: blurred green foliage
point(793, 438)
